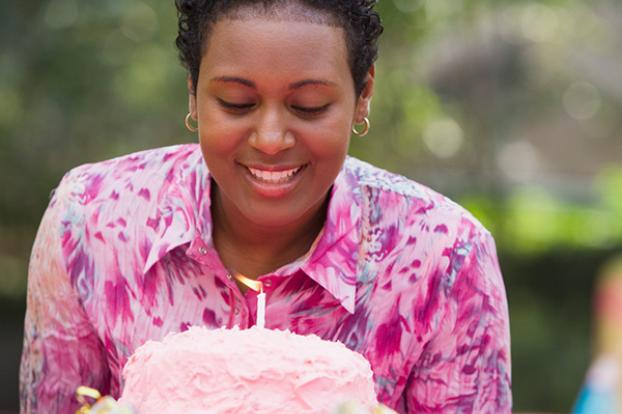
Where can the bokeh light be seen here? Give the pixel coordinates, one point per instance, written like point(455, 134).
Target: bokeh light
point(443, 137)
point(582, 100)
point(539, 22)
point(519, 161)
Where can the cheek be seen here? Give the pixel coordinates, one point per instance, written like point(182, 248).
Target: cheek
point(219, 152)
point(330, 140)
point(329, 148)
point(219, 137)
point(214, 142)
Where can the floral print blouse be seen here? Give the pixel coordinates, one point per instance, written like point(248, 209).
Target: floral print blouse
point(398, 273)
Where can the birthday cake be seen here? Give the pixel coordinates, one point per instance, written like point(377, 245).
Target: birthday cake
point(257, 371)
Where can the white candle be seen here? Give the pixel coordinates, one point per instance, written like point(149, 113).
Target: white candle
point(257, 286)
point(261, 309)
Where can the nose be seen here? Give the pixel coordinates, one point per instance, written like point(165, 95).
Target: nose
point(271, 134)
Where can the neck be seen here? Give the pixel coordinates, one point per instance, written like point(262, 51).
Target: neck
point(254, 249)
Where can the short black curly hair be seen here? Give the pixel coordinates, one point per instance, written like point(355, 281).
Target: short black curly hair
point(358, 18)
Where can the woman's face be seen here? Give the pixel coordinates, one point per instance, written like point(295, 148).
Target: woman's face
point(275, 104)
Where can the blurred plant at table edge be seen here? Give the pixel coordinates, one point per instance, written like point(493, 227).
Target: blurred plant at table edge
point(533, 221)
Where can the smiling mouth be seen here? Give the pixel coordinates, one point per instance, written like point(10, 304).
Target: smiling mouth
point(275, 177)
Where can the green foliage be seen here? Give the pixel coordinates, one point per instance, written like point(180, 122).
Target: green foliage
point(534, 221)
point(610, 186)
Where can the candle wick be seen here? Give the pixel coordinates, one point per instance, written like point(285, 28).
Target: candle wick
point(252, 284)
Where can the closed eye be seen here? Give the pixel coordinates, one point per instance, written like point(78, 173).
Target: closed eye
point(310, 110)
point(235, 106)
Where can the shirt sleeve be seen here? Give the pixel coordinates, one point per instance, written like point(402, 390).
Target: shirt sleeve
point(61, 349)
point(465, 367)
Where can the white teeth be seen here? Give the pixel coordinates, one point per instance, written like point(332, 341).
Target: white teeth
point(274, 177)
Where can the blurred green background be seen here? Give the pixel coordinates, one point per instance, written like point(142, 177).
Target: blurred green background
point(512, 108)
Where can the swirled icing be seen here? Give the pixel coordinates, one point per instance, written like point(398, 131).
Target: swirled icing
point(256, 371)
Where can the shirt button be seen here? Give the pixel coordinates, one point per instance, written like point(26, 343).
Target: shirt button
point(203, 250)
point(267, 283)
point(229, 276)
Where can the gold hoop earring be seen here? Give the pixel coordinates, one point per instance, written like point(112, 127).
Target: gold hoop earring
point(365, 130)
point(189, 126)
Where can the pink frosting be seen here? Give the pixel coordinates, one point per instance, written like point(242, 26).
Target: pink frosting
point(245, 371)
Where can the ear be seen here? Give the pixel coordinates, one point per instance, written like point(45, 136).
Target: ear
point(363, 105)
point(192, 100)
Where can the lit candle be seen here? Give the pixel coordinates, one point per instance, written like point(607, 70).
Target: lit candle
point(257, 286)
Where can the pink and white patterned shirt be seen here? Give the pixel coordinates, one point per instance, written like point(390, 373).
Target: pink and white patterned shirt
point(399, 273)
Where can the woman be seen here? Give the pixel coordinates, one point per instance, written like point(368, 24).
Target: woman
point(142, 245)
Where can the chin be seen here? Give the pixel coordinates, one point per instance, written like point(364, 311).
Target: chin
point(267, 218)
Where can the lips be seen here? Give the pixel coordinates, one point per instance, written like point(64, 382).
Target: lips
point(274, 181)
point(274, 177)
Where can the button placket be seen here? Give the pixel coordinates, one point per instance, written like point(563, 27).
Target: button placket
point(238, 305)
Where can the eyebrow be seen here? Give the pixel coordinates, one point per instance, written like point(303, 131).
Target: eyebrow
point(251, 84)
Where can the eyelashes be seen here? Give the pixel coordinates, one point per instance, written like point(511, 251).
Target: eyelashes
point(235, 106)
point(245, 107)
point(311, 110)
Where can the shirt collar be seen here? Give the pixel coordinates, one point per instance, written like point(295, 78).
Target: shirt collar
point(184, 216)
point(332, 262)
point(183, 209)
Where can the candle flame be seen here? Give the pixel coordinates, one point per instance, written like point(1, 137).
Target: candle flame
point(252, 284)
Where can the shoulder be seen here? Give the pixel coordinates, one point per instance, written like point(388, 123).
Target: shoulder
point(416, 237)
point(140, 174)
point(394, 200)
point(421, 249)
point(100, 205)
point(152, 163)
point(107, 213)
